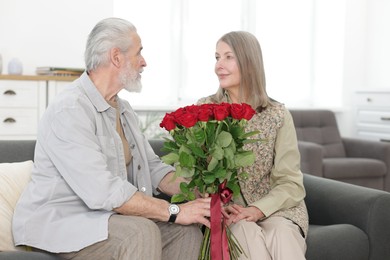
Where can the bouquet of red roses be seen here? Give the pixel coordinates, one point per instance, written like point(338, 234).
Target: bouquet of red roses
point(207, 149)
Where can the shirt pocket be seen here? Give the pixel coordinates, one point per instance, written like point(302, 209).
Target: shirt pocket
point(107, 146)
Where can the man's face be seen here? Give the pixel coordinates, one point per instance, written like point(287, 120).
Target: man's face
point(130, 75)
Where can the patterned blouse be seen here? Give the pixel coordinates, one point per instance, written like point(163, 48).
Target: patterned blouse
point(274, 183)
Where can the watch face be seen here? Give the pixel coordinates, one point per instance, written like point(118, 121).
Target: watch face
point(174, 209)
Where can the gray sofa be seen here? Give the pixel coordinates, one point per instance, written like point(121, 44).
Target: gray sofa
point(346, 221)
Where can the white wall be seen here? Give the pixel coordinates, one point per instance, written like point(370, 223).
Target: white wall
point(378, 45)
point(48, 32)
point(53, 33)
point(366, 54)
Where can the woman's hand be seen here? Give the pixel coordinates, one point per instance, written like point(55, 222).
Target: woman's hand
point(234, 213)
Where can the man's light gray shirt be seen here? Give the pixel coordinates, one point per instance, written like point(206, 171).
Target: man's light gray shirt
point(79, 172)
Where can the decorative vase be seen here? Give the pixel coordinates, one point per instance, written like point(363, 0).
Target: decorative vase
point(15, 67)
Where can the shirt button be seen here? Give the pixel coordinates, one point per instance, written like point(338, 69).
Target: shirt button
point(139, 167)
point(143, 189)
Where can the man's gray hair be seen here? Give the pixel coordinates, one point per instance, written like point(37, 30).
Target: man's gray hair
point(107, 34)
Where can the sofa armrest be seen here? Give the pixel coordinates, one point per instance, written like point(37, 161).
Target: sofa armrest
point(367, 149)
point(332, 202)
point(311, 158)
point(370, 149)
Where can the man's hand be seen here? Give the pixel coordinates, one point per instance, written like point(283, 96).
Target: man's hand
point(195, 211)
point(191, 212)
point(234, 213)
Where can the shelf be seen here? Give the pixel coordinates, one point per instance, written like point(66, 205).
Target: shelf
point(37, 77)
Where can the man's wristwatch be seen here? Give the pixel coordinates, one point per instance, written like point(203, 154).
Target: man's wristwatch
point(173, 211)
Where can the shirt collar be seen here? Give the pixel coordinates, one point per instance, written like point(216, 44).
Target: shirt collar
point(97, 99)
point(93, 94)
point(226, 97)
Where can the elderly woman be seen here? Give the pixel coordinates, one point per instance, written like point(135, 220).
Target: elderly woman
point(269, 219)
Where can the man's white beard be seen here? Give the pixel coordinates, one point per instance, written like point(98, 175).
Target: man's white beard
point(129, 79)
point(134, 86)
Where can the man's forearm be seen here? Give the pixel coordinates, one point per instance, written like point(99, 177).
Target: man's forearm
point(170, 185)
point(145, 206)
point(196, 211)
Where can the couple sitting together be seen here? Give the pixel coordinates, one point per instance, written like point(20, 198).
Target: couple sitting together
point(95, 175)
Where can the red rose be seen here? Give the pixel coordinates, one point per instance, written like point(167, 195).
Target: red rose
point(178, 112)
point(193, 109)
point(187, 119)
point(237, 111)
point(248, 111)
point(205, 112)
point(168, 122)
point(221, 111)
point(227, 107)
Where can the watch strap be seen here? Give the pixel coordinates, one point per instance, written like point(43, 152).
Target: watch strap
point(172, 218)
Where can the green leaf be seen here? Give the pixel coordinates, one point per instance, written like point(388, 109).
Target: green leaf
point(191, 196)
point(184, 149)
point(170, 158)
point(186, 160)
point(169, 146)
point(211, 189)
point(209, 178)
point(210, 132)
point(212, 164)
point(229, 153)
point(184, 172)
point(249, 134)
point(224, 139)
point(184, 187)
point(200, 184)
point(197, 151)
point(236, 131)
point(180, 139)
point(199, 135)
point(178, 198)
point(244, 159)
point(217, 152)
point(234, 187)
point(220, 173)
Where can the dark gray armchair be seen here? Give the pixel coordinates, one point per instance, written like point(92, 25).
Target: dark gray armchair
point(326, 154)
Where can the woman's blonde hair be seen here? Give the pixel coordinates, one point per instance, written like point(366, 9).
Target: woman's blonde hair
point(247, 51)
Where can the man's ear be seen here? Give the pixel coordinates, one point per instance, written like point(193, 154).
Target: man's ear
point(115, 57)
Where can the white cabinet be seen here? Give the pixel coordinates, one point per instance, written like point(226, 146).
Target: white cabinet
point(21, 104)
point(23, 100)
point(55, 87)
point(373, 115)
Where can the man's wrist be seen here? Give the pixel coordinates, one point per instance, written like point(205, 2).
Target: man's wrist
point(173, 211)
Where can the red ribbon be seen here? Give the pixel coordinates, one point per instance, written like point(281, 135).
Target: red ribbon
point(218, 238)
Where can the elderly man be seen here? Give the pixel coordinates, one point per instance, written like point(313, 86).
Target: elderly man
point(94, 172)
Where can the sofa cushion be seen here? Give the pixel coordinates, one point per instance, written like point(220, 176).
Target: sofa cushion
point(337, 242)
point(13, 179)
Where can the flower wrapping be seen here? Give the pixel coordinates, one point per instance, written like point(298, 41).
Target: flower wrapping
point(207, 149)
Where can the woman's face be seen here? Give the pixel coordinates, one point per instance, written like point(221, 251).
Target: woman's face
point(226, 68)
